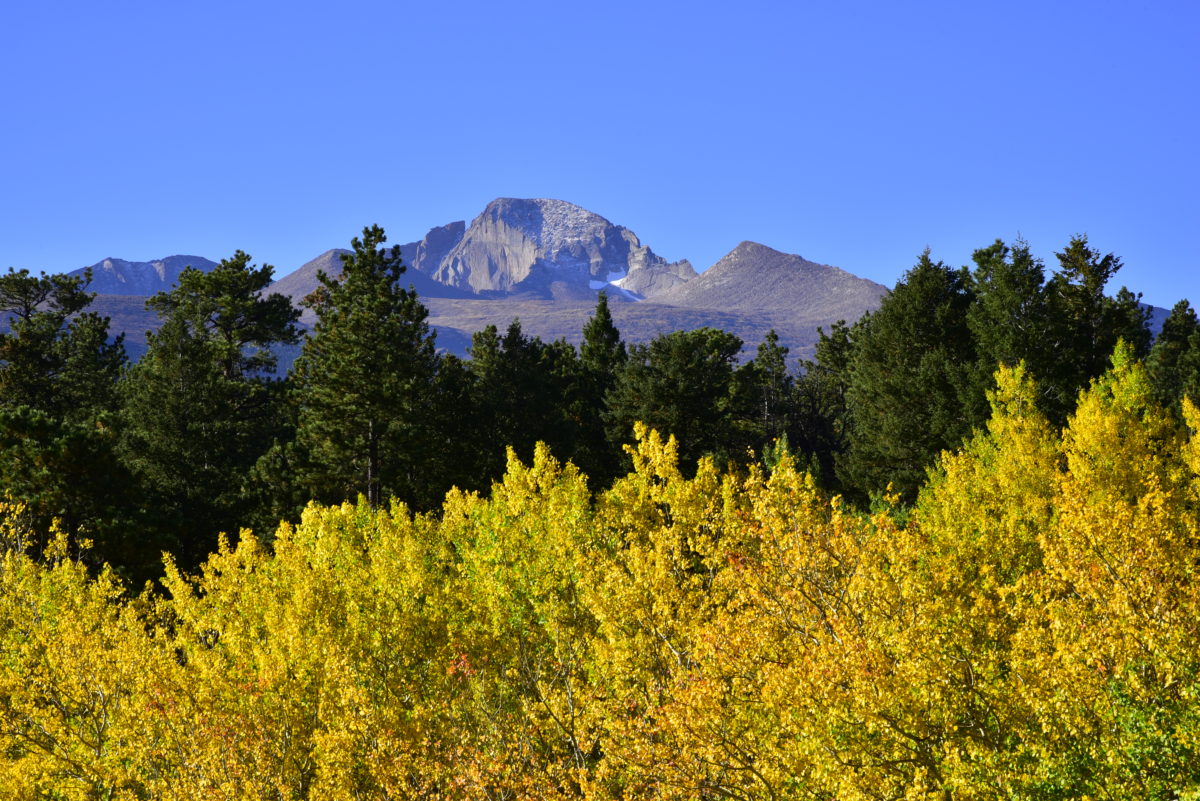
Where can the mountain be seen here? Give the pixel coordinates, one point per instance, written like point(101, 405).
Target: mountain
point(544, 261)
point(756, 278)
point(119, 277)
point(303, 280)
point(544, 248)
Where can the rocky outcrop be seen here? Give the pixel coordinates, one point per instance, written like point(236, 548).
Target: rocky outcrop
point(120, 277)
point(532, 246)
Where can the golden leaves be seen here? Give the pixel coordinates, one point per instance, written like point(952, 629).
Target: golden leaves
point(1029, 631)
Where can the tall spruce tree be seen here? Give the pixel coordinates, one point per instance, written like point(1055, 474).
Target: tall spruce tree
point(681, 383)
point(602, 356)
point(364, 383)
point(1174, 361)
point(821, 416)
point(1087, 323)
point(58, 372)
point(202, 406)
point(523, 395)
point(911, 391)
point(56, 357)
point(766, 388)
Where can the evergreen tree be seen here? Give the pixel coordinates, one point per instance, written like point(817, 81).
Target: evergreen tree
point(58, 372)
point(766, 388)
point(56, 357)
point(602, 356)
point(1174, 361)
point(363, 382)
point(602, 352)
point(1087, 323)
point(911, 391)
point(201, 407)
point(523, 395)
point(681, 383)
point(1010, 319)
point(821, 417)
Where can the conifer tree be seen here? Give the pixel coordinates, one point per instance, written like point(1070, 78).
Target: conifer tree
point(363, 381)
point(58, 372)
point(767, 388)
point(201, 407)
point(911, 391)
point(1174, 361)
point(523, 395)
point(1087, 323)
point(680, 383)
point(602, 356)
point(56, 356)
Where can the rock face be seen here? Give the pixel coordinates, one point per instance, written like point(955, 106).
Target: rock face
point(756, 278)
point(120, 277)
point(544, 248)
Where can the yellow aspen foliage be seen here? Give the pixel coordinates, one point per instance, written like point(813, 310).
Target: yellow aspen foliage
point(521, 633)
point(1109, 652)
point(1029, 631)
point(77, 676)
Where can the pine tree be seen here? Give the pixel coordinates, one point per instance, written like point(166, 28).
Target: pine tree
point(363, 382)
point(1087, 324)
point(523, 395)
point(56, 356)
point(602, 356)
point(681, 383)
point(911, 391)
point(58, 372)
point(201, 407)
point(1174, 361)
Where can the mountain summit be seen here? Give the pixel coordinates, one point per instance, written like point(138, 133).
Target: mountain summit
point(544, 248)
point(120, 277)
point(756, 278)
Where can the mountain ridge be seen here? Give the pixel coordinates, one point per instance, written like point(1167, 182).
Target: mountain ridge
point(544, 261)
point(112, 276)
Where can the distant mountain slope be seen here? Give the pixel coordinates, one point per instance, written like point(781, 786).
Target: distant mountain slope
point(455, 320)
point(756, 278)
point(299, 283)
point(119, 277)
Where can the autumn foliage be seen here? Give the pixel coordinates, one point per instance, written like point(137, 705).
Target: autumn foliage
point(1028, 630)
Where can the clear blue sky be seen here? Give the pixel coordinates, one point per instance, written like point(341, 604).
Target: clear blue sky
point(854, 134)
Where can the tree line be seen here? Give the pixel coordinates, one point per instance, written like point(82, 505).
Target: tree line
point(203, 436)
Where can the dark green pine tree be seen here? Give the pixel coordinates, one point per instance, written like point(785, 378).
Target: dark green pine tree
point(602, 356)
point(765, 389)
point(602, 351)
point(56, 356)
point(522, 395)
point(1010, 317)
point(820, 415)
point(58, 373)
point(1174, 360)
point(202, 406)
point(681, 383)
point(364, 384)
point(911, 390)
point(1086, 323)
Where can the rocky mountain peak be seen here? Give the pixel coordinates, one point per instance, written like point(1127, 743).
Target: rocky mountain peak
point(120, 277)
point(545, 248)
point(552, 224)
point(754, 277)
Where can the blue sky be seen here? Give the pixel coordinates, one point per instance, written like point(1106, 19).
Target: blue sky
point(854, 134)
